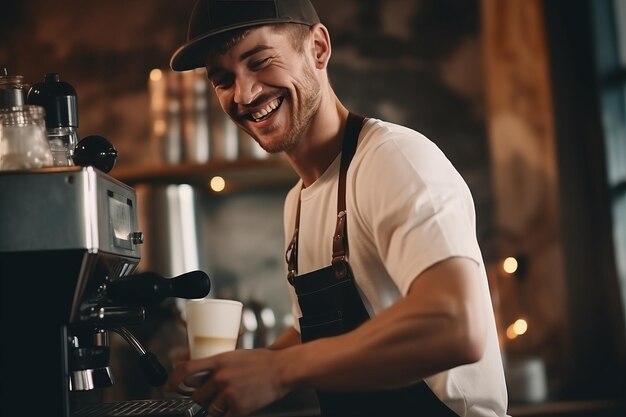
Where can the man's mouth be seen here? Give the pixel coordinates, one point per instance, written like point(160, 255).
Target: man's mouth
point(266, 111)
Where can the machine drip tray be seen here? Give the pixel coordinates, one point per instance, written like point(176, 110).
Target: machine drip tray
point(183, 407)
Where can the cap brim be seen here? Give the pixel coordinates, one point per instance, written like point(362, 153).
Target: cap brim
point(193, 54)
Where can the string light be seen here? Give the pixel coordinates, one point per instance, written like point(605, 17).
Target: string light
point(518, 328)
point(515, 268)
point(217, 184)
point(510, 265)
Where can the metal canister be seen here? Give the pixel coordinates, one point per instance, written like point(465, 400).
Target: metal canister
point(13, 90)
point(60, 101)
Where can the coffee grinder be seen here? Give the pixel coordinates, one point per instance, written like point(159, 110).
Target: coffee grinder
point(69, 249)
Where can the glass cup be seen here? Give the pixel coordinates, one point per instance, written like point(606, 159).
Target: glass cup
point(23, 139)
point(212, 326)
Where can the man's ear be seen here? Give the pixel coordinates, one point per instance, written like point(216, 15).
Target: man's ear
point(321, 45)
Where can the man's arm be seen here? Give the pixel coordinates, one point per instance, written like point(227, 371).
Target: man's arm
point(288, 338)
point(439, 325)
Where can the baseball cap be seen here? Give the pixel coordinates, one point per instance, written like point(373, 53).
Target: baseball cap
point(211, 17)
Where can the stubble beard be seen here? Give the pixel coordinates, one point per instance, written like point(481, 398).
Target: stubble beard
point(311, 97)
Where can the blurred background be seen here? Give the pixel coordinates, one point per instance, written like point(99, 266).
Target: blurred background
point(527, 98)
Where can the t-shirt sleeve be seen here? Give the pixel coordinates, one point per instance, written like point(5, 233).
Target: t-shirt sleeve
point(415, 205)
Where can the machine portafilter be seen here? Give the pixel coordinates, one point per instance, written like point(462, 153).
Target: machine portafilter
point(147, 289)
point(114, 305)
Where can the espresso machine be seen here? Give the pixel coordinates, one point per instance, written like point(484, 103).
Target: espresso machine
point(69, 251)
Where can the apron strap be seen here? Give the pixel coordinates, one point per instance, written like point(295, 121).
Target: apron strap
point(340, 238)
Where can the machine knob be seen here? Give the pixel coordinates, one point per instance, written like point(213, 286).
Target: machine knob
point(95, 151)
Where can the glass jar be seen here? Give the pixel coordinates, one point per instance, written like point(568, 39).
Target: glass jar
point(62, 141)
point(23, 138)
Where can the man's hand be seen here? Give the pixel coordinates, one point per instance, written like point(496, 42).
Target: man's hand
point(239, 382)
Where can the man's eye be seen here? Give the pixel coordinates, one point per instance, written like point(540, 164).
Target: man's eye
point(259, 64)
point(222, 81)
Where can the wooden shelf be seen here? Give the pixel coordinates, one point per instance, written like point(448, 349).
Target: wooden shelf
point(589, 408)
point(239, 175)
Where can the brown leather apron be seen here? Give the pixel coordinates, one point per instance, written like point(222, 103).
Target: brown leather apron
point(331, 306)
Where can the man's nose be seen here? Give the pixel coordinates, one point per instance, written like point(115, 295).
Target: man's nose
point(246, 89)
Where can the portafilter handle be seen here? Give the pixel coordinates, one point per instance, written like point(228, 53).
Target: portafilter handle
point(149, 288)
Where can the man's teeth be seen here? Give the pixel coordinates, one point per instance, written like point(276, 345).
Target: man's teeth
point(263, 113)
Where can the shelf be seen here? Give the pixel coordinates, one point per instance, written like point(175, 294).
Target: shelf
point(589, 408)
point(243, 174)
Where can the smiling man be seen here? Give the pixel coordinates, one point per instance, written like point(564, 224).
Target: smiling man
point(238, 74)
point(394, 313)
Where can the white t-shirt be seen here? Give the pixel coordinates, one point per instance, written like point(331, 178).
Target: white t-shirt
point(407, 209)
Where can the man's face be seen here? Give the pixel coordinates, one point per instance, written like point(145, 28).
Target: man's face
point(267, 87)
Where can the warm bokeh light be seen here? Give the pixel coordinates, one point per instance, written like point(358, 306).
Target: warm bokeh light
point(517, 329)
point(520, 326)
point(156, 74)
point(159, 127)
point(510, 265)
point(510, 333)
point(217, 184)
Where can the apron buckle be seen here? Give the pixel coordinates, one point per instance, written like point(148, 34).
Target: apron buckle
point(340, 266)
point(291, 275)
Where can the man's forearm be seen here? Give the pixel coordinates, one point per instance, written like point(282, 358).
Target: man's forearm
point(288, 338)
point(436, 327)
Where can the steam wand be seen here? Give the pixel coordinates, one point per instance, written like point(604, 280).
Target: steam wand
point(148, 362)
